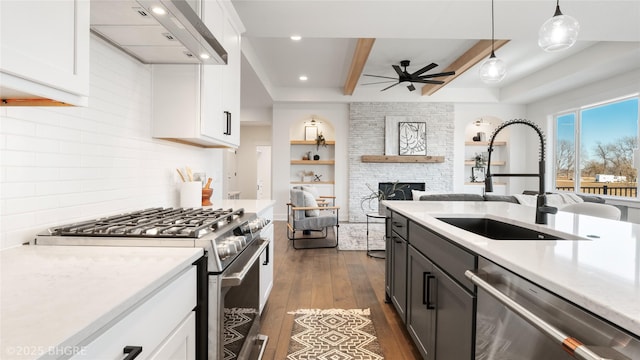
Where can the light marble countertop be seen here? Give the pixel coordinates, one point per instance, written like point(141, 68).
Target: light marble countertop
point(54, 297)
point(254, 206)
point(599, 272)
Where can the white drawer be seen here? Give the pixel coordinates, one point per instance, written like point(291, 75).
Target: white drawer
point(148, 324)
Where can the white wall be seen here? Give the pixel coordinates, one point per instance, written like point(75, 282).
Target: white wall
point(61, 165)
point(250, 137)
point(286, 114)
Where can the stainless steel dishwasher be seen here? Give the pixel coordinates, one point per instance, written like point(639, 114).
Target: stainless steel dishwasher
point(517, 320)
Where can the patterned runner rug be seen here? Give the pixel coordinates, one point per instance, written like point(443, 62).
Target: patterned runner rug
point(237, 323)
point(333, 334)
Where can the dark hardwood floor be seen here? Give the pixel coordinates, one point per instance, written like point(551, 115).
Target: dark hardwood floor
point(325, 279)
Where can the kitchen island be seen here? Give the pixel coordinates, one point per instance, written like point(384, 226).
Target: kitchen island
point(598, 268)
point(57, 300)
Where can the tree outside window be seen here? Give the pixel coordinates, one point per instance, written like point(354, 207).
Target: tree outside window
point(594, 149)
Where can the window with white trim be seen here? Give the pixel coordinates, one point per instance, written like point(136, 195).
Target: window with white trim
point(594, 148)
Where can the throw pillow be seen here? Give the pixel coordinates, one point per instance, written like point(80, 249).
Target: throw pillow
point(312, 190)
point(310, 201)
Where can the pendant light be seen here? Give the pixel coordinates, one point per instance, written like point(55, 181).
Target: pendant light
point(558, 33)
point(493, 70)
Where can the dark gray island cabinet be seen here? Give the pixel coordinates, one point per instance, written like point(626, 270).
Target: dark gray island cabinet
point(426, 285)
point(464, 296)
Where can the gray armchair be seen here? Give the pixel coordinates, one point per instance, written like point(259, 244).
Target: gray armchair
point(306, 220)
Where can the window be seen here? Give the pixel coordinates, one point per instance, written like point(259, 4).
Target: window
point(594, 149)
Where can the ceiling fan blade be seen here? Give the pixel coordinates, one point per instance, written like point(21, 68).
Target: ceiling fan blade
point(398, 70)
point(411, 87)
point(390, 86)
point(422, 81)
point(447, 73)
point(380, 82)
point(424, 69)
point(379, 76)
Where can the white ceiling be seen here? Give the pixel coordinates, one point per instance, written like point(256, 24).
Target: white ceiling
point(426, 31)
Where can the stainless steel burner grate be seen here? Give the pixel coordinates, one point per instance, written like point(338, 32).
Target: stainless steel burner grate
point(154, 223)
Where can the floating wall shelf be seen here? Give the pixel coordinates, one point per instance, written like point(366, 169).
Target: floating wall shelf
point(311, 142)
point(401, 159)
point(493, 163)
point(485, 143)
point(313, 162)
point(312, 182)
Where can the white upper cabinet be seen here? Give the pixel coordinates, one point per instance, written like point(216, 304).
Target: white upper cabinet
point(200, 104)
point(44, 52)
point(231, 80)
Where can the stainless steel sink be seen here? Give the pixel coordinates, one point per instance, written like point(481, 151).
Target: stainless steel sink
point(498, 230)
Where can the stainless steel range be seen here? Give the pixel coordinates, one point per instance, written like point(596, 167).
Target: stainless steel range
point(228, 281)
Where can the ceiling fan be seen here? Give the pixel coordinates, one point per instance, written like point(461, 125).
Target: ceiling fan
point(416, 77)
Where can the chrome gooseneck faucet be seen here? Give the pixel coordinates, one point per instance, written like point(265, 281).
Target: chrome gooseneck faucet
point(542, 209)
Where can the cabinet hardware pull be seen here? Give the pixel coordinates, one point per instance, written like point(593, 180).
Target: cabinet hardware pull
point(132, 351)
point(569, 344)
point(266, 260)
point(227, 131)
point(398, 224)
point(396, 239)
point(426, 290)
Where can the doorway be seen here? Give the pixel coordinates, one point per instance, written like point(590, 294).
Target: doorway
point(263, 172)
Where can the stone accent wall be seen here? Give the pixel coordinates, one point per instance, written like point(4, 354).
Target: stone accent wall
point(367, 137)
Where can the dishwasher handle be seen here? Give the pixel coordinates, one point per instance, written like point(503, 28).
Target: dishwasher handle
point(571, 345)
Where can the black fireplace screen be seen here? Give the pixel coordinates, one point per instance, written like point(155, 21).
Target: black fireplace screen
point(399, 190)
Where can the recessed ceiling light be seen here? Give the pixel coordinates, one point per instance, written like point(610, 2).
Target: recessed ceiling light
point(204, 56)
point(158, 10)
point(303, 78)
point(296, 37)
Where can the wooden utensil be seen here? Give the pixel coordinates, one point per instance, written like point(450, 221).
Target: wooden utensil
point(180, 173)
point(189, 173)
point(208, 184)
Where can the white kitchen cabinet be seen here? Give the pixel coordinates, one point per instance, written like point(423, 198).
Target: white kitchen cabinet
point(266, 259)
point(44, 52)
point(200, 104)
point(163, 325)
point(181, 343)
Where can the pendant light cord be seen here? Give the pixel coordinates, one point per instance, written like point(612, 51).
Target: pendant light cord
point(492, 31)
point(558, 12)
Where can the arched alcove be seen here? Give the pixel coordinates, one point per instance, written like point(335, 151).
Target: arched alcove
point(312, 162)
point(477, 136)
point(323, 125)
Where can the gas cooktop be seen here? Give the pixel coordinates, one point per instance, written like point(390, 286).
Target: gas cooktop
point(154, 222)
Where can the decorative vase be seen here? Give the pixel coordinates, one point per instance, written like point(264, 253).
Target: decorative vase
point(316, 157)
point(382, 210)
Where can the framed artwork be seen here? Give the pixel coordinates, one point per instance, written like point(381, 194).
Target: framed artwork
point(310, 132)
point(412, 138)
point(477, 174)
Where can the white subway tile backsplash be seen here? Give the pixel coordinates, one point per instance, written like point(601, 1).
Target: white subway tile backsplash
point(62, 165)
point(17, 158)
point(17, 189)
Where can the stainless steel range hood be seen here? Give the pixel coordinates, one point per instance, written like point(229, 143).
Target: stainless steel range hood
point(177, 37)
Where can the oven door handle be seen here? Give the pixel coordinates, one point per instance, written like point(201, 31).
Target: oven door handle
point(571, 345)
point(236, 278)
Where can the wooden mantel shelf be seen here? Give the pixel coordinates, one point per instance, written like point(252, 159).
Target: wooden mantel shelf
point(401, 159)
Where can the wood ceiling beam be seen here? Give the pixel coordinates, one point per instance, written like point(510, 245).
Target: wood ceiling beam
point(478, 52)
point(360, 56)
